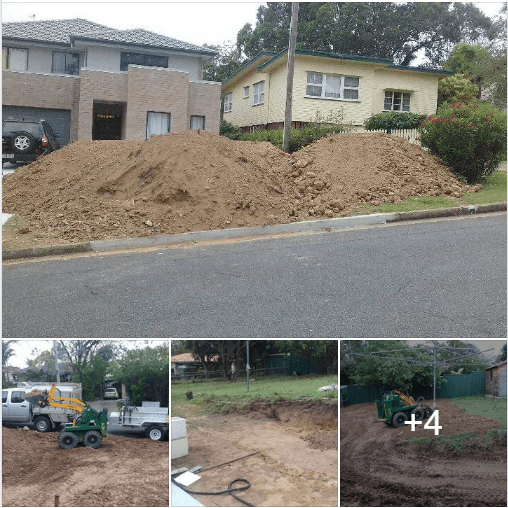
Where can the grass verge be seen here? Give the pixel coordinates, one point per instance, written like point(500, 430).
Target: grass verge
point(483, 406)
point(494, 191)
point(227, 396)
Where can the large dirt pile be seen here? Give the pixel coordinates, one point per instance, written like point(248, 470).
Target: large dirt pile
point(377, 470)
point(124, 471)
point(193, 181)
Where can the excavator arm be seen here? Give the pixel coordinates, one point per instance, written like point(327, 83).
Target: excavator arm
point(65, 402)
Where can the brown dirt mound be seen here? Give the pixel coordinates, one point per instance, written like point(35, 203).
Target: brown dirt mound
point(189, 181)
point(122, 472)
point(375, 471)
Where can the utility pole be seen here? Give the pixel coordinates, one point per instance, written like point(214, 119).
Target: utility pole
point(290, 73)
point(55, 349)
point(247, 368)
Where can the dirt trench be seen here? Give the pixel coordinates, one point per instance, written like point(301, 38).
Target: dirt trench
point(189, 181)
point(122, 472)
point(376, 471)
point(295, 461)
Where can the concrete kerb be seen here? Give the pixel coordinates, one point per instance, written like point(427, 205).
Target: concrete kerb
point(252, 232)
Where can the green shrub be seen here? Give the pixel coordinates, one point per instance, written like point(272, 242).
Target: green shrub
point(394, 120)
point(319, 127)
point(469, 138)
point(230, 131)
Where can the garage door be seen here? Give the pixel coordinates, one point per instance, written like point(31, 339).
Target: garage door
point(59, 119)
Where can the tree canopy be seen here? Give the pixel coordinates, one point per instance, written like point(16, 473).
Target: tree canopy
point(398, 364)
point(397, 31)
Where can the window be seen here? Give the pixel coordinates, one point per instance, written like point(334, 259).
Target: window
point(332, 86)
point(4, 397)
point(259, 93)
point(65, 63)
point(139, 59)
point(397, 101)
point(15, 59)
point(228, 102)
point(246, 92)
point(156, 123)
point(197, 122)
point(17, 397)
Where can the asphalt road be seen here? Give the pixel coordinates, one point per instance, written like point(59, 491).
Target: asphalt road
point(433, 278)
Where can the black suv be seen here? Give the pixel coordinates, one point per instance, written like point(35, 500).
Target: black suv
point(24, 141)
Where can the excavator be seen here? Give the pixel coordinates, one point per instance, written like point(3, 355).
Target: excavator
point(88, 425)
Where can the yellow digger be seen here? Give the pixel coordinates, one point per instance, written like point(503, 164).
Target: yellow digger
point(88, 426)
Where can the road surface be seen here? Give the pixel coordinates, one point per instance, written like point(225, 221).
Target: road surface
point(432, 278)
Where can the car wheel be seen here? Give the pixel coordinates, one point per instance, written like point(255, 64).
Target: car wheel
point(23, 142)
point(42, 424)
point(155, 433)
point(68, 440)
point(93, 439)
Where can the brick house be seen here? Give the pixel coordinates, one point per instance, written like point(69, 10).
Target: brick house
point(357, 86)
point(495, 380)
point(90, 81)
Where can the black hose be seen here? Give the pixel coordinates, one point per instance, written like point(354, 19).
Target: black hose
point(229, 490)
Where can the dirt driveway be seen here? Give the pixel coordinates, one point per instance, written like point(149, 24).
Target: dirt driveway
point(296, 463)
point(376, 472)
point(122, 472)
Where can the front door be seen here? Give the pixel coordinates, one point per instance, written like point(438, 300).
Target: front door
point(107, 120)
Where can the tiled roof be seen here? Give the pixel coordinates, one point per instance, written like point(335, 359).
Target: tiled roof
point(65, 31)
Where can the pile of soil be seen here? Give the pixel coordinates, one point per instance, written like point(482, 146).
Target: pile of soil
point(377, 471)
point(122, 472)
point(194, 181)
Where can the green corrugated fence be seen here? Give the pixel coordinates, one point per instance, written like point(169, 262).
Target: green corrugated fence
point(460, 385)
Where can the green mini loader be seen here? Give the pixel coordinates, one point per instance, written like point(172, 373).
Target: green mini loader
point(395, 409)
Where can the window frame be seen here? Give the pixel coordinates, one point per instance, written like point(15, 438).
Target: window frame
point(7, 50)
point(326, 79)
point(157, 113)
point(402, 94)
point(246, 92)
point(124, 60)
point(228, 102)
point(199, 128)
point(258, 97)
point(65, 53)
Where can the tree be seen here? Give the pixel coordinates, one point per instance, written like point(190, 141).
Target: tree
point(398, 31)
point(91, 377)
point(78, 353)
point(502, 356)
point(179, 346)
point(224, 65)
point(7, 351)
point(472, 62)
point(145, 373)
point(455, 89)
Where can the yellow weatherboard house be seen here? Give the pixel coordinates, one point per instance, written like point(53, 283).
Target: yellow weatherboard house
point(356, 87)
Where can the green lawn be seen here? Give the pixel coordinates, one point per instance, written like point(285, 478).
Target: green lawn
point(494, 191)
point(483, 406)
point(221, 395)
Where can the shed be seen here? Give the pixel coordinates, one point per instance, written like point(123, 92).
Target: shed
point(183, 361)
point(495, 380)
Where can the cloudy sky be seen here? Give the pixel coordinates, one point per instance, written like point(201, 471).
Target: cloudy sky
point(24, 348)
point(195, 22)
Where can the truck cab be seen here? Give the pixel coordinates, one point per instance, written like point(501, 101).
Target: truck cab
point(14, 406)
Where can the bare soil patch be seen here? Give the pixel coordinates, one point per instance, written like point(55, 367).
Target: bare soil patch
point(376, 472)
point(122, 472)
point(190, 181)
point(296, 463)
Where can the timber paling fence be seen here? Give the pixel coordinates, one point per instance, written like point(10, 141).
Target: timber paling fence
point(456, 385)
